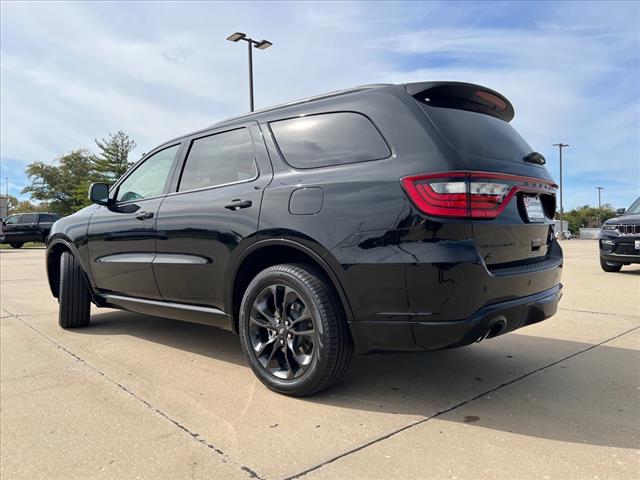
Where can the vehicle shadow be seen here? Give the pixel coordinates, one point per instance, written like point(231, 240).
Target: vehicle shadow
point(581, 400)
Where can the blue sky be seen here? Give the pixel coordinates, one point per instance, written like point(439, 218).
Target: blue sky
point(72, 72)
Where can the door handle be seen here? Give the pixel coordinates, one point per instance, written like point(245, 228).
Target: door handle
point(238, 204)
point(144, 215)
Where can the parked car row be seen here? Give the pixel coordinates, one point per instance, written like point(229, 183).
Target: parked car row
point(20, 228)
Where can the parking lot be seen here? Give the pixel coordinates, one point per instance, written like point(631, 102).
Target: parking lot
point(142, 397)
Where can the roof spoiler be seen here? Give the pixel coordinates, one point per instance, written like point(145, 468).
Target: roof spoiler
point(463, 96)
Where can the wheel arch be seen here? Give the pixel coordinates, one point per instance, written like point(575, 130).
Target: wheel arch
point(266, 253)
point(55, 248)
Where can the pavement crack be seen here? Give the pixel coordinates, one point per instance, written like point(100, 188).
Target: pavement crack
point(599, 313)
point(194, 435)
point(454, 407)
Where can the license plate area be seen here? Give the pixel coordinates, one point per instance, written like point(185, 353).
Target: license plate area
point(533, 208)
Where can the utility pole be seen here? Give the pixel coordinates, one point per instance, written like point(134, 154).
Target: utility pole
point(560, 147)
point(261, 45)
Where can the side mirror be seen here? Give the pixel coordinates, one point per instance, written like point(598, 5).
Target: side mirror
point(99, 193)
point(620, 211)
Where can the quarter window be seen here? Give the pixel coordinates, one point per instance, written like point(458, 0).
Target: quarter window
point(329, 139)
point(150, 178)
point(218, 160)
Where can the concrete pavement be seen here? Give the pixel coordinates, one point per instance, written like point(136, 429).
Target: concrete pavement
point(143, 397)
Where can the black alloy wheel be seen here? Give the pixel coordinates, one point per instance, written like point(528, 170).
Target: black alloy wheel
point(282, 332)
point(293, 330)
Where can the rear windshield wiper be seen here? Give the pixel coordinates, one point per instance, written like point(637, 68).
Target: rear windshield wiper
point(535, 157)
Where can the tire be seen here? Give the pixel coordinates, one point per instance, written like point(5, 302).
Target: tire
point(17, 244)
point(73, 296)
point(322, 342)
point(610, 266)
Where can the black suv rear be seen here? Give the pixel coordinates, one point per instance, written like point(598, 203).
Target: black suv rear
point(620, 239)
point(20, 228)
point(385, 217)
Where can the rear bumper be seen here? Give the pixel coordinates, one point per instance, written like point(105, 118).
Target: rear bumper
point(488, 322)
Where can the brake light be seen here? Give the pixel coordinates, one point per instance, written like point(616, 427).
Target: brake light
point(469, 194)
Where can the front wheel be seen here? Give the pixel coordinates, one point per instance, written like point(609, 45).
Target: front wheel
point(610, 266)
point(73, 296)
point(293, 331)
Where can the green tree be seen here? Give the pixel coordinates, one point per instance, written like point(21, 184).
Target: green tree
point(62, 184)
point(113, 159)
point(588, 217)
point(20, 206)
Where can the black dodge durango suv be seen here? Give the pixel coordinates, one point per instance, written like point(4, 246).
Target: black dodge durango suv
point(384, 217)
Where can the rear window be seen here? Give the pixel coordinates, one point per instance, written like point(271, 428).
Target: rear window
point(219, 159)
point(329, 139)
point(475, 134)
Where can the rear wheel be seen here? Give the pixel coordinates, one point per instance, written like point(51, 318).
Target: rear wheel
point(73, 297)
point(610, 266)
point(17, 244)
point(293, 331)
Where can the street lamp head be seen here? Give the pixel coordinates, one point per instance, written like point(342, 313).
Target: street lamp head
point(263, 44)
point(236, 37)
point(560, 145)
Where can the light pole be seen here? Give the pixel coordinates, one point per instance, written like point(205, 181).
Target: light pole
point(599, 200)
point(261, 45)
point(599, 205)
point(560, 147)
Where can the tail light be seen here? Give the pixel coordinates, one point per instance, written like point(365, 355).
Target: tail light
point(469, 194)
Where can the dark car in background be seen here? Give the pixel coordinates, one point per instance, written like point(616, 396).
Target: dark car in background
point(620, 239)
point(20, 228)
point(380, 218)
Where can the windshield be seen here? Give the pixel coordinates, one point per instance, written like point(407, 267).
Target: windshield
point(634, 209)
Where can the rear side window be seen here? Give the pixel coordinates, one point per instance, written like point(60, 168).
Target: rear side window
point(219, 159)
point(45, 218)
point(28, 218)
point(329, 139)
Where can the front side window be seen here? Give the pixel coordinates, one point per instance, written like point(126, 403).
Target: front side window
point(329, 139)
point(12, 220)
point(28, 218)
point(149, 179)
point(219, 159)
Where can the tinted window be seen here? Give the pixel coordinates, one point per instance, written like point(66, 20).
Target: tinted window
point(329, 139)
point(474, 134)
point(12, 220)
point(28, 218)
point(45, 218)
point(219, 159)
point(149, 179)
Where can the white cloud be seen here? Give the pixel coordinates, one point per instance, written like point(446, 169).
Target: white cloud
point(72, 72)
